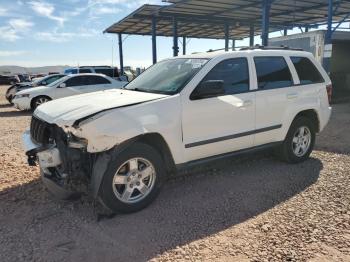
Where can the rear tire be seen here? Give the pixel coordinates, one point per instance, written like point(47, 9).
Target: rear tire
point(133, 179)
point(299, 141)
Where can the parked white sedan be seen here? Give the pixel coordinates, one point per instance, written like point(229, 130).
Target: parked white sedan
point(67, 86)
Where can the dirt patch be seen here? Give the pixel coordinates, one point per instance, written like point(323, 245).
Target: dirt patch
point(251, 208)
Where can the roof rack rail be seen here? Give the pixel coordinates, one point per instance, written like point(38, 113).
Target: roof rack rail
point(261, 47)
point(95, 66)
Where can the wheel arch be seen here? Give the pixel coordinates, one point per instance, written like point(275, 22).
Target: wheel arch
point(154, 140)
point(312, 115)
point(36, 97)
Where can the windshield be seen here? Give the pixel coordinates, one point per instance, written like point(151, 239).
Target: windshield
point(54, 83)
point(37, 80)
point(167, 77)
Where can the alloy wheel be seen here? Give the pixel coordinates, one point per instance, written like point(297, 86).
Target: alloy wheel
point(301, 141)
point(134, 180)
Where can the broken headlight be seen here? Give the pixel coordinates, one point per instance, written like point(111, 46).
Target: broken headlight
point(76, 142)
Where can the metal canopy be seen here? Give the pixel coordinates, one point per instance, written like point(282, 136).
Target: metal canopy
point(207, 19)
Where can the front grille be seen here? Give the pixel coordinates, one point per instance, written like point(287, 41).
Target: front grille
point(39, 131)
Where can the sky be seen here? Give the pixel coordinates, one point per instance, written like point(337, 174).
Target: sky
point(70, 32)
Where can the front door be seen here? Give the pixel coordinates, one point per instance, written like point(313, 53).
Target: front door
point(218, 125)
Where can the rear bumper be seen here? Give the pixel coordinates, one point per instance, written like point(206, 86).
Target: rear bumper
point(326, 115)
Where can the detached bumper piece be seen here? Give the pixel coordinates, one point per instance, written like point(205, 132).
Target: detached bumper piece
point(55, 186)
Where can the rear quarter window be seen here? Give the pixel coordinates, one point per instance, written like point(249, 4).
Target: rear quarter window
point(272, 72)
point(307, 71)
point(106, 71)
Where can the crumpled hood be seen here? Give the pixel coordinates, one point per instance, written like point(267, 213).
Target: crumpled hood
point(65, 111)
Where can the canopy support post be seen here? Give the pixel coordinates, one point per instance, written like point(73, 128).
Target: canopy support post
point(328, 38)
point(233, 44)
point(175, 38)
point(184, 45)
point(120, 42)
point(251, 35)
point(154, 40)
point(265, 22)
point(227, 28)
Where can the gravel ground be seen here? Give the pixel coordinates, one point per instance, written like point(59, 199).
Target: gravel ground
point(249, 208)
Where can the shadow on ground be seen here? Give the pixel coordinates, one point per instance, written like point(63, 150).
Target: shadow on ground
point(200, 203)
point(5, 105)
point(335, 137)
point(15, 113)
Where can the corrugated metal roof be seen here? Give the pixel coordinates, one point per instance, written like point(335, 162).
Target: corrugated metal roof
point(206, 19)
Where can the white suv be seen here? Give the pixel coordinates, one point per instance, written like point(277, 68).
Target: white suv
point(181, 111)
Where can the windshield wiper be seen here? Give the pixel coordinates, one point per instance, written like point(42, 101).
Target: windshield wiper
point(148, 91)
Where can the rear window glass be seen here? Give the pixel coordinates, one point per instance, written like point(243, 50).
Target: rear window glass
point(98, 80)
point(77, 81)
point(307, 71)
point(106, 71)
point(84, 71)
point(272, 72)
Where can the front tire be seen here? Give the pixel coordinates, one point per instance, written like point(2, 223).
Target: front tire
point(133, 179)
point(299, 142)
point(37, 101)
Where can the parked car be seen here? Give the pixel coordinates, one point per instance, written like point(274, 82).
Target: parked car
point(106, 70)
point(180, 112)
point(8, 80)
point(43, 81)
point(23, 78)
point(65, 86)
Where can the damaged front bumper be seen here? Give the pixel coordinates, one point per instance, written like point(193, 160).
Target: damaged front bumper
point(50, 162)
point(47, 156)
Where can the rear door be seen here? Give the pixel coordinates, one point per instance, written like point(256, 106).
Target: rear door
point(276, 92)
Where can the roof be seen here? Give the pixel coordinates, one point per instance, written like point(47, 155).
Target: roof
point(206, 19)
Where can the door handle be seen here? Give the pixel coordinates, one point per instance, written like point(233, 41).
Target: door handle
point(292, 95)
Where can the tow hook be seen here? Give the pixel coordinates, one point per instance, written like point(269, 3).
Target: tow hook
point(32, 160)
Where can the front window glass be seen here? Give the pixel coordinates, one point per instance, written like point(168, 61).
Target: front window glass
point(167, 77)
point(235, 74)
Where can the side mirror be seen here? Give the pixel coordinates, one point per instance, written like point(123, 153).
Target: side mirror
point(62, 85)
point(210, 88)
point(44, 83)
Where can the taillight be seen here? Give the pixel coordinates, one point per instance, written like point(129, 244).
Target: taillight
point(329, 92)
